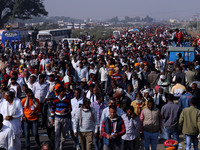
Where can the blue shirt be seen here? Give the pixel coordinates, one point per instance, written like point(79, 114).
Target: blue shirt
point(184, 100)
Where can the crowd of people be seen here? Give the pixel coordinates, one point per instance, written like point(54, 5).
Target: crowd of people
point(112, 94)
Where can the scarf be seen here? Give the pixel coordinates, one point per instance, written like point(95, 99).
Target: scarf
point(35, 104)
point(113, 123)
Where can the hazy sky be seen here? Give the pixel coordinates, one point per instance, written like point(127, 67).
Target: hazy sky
point(104, 9)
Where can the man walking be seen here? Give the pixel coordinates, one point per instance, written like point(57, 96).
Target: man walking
point(189, 124)
point(112, 129)
point(61, 109)
point(170, 114)
point(31, 108)
point(87, 121)
point(151, 121)
point(132, 124)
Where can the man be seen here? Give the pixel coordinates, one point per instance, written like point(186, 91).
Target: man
point(31, 108)
point(196, 93)
point(164, 83)
point(189, 124)
point(185, 99)
point(190, 75)
point(82, 72)
point(86, 120)
point(105, 112)
point(76, 103)
point(152, 78)
point(132, 124)
point(41, 91)
point(15, 87)
point(31, 81)
point(139, 104)
point(112, 129)
point(151, 121)
point(6, 136)
point(180, 74)
point(61, 110)
point(170, 114)
point(13, 112)
point(98, 107)
point(178, 89)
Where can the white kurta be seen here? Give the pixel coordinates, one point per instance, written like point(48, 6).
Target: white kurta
point(16, 111)
point(6, 136)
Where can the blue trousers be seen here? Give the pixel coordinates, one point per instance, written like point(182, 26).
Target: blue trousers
point(150, 139)
point(28, 125)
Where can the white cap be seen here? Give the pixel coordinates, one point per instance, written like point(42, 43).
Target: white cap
point(162, 77)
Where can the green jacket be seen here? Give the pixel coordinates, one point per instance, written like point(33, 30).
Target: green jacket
point(189, 121)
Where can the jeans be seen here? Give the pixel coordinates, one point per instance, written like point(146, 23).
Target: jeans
point(172, 132)
point(27, 126)
point(150, 139)
point(60, 132)
point(189, 140)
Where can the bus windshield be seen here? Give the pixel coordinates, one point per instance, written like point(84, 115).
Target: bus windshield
point(44, 38)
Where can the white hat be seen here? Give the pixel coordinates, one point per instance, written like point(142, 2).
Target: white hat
point(162, 77)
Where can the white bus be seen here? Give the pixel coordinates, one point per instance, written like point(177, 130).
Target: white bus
point(48, 36)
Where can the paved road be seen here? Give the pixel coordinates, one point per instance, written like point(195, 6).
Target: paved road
point(69, 144)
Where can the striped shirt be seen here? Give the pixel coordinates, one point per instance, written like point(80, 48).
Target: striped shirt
point(60, 104)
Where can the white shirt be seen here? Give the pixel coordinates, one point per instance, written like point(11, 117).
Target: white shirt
point(16, 111)
point(75, 105)
point(104, 74)
point(7, 138)
point(41, 91)
point(82, 73)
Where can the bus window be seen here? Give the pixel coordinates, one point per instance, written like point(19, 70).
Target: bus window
point(44, 38)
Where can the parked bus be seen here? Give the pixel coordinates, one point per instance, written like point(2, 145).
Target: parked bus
point(12, 36)
point(48, 36)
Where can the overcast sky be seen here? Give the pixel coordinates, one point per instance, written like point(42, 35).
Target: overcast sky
point(105, 9)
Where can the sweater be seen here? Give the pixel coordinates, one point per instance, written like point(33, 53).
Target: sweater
point(89, 123)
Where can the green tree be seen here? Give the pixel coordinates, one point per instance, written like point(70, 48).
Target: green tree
point(22, 9)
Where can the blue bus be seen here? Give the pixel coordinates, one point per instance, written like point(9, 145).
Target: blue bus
point(12, 36)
